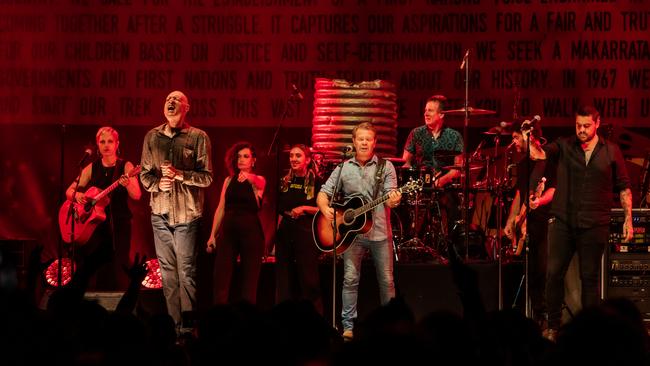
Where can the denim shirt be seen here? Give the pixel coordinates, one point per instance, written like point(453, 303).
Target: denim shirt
point(360, 180)
point(188, 150)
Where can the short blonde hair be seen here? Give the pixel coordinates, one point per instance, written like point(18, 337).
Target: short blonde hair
point(107, 129)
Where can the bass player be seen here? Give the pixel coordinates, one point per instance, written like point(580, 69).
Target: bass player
point(532, 174)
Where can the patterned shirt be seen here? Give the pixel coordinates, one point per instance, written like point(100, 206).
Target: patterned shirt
point(189, 151)
point(357, 179)
point(423, 146)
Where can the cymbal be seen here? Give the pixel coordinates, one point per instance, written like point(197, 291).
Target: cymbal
point(472, 111)
point(497, 131)
point(461, 167)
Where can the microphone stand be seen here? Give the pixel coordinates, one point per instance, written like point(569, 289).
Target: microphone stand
point(526, 201)
point(334, 234)
point(73, 216)
point(527, 302)
point(274, 144)
point(466, 158)
point(59, 253)
point(496, 251)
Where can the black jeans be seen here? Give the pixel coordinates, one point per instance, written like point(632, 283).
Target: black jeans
point(563, 241)
point(537, 228)
point(242, 237)
point(295, 252)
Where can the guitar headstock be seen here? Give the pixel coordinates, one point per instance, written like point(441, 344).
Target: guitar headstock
point(412, 185)
point(540, 187)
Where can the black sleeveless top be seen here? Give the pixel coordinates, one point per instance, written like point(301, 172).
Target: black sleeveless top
point(240, 197)
point(102, 177)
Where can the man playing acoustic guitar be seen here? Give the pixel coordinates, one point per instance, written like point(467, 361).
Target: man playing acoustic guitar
point(112, 236)
point(370, 177)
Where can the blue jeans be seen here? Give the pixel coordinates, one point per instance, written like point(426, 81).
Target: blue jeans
point(382, 256)
point(176, 250)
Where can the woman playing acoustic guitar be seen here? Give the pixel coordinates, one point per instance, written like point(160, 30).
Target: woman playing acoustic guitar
point(108, 245)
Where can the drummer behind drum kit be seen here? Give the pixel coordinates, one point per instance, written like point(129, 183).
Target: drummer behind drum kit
point(420, 222)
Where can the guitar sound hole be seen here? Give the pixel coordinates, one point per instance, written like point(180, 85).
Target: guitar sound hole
point(348, 217)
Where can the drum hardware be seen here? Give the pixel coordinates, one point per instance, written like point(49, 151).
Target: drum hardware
point(425, 174)
point(476, 249)
point(461, 167)
point(422, 235)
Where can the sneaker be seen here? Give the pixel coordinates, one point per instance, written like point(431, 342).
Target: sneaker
point(550, 334)
point(348, 335)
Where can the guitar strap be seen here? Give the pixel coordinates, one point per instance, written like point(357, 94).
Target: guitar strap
point(379, 177)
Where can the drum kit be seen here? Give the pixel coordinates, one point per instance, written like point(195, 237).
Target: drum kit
point(423, 231)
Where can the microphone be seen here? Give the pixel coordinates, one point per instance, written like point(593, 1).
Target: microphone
point(504, 124)
point(87, 153)
point(478, 148)
point(462, 65)
point(296, 93)
point(512, 144)
point(528, 124)
point(347, 151)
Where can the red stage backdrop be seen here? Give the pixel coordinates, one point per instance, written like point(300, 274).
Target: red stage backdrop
point(113, 61)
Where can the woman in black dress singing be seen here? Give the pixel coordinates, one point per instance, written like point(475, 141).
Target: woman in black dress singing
point(295, 251)
point(237, 216)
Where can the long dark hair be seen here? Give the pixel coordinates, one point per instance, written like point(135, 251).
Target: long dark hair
point(231, 156)
point(310, 176)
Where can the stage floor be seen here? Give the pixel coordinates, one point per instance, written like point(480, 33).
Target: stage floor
point(426, 287)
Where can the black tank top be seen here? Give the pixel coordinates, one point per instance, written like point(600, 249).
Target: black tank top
point(103, 177)
point(240, 197)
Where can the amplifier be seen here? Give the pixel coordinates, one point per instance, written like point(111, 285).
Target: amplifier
point(641, 241)
point(626, 266)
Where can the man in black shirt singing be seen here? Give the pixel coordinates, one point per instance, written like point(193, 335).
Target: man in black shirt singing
point(589, 171)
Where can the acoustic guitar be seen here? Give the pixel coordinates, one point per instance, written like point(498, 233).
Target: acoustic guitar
point(353, 217)
point(87, 216)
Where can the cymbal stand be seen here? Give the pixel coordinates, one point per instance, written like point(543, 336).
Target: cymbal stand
point(465, 216)
point(500, 192)
point(415, 241)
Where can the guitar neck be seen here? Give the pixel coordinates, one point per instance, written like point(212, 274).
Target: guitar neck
point(110, 188)
point(106, 191)
point(372, 204)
